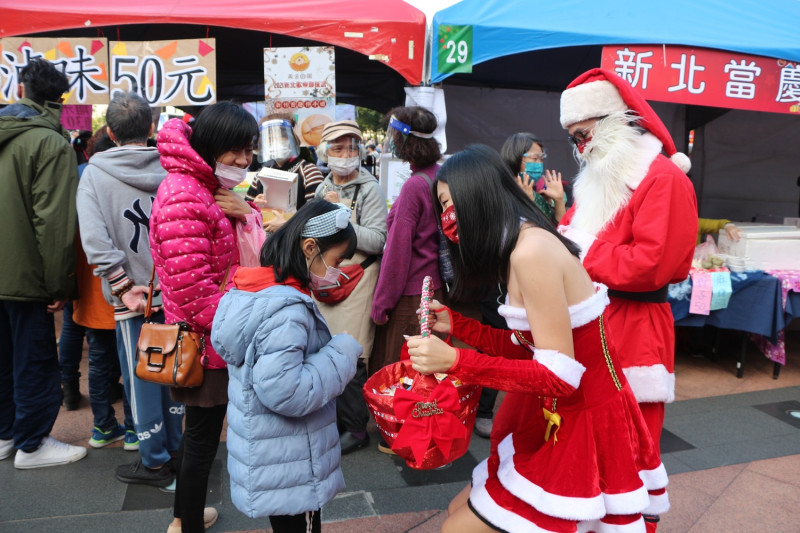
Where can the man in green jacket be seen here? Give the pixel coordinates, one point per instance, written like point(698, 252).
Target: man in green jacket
point(38, 180)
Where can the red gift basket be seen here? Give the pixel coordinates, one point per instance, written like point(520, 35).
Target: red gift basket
point(427, 420)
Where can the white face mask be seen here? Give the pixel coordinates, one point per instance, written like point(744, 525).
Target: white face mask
point(282, 152)
point(330, 278)
point(228, 176)
point(343, 166)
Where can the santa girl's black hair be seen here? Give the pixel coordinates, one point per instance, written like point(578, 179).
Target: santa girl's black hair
point(489, 208)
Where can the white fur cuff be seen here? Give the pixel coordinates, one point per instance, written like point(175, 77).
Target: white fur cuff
point(651, 383)
point(563, 366)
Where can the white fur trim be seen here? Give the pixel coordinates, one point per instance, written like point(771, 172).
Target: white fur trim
point(651, 383)
point(598, 526)
point(566, 507)
point(654, 479)
point(627, 502)
point(560, 364)
point(583, 239)
point(590, 100)
point(682, 161)
point(659, 504)
point(586, 311)
point(516, 317)
point(488, 509)
point(580, 314)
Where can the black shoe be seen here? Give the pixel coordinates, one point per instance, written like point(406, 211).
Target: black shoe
point(72, 394)
point(351, 443)
point(136, 472)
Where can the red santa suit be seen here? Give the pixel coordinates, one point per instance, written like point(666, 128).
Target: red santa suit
point(645, 242)
point(648, 244)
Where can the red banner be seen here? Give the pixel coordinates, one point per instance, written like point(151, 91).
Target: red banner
point(700, 76)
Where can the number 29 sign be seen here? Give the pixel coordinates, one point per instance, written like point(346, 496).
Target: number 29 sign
point(455, 49)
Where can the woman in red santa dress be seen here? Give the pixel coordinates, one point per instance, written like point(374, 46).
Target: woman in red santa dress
point(569, 448)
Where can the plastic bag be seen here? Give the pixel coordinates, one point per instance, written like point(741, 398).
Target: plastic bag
point(250, 237)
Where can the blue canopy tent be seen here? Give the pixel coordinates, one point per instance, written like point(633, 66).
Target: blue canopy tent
point(502, 28)
point(525, 52)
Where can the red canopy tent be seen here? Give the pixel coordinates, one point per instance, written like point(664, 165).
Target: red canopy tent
point(389, 31)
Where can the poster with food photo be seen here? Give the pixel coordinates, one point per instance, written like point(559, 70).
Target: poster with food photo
point(300, 81)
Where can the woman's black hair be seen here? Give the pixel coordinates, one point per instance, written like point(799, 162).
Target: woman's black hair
point(221, 127)
point(283, 250)
point(418, 151)
point(517, 146)
point(489, 208)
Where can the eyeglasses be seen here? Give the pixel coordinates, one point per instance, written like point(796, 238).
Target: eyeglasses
point(534, 158)
point(579, 138)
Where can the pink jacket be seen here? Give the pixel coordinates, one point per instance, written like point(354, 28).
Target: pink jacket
point(192, 241)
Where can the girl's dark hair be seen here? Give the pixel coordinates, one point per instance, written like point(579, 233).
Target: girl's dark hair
point(418, 151)
point(515, 147)
point(283, 250)
point(221, 127)
point(489, 206)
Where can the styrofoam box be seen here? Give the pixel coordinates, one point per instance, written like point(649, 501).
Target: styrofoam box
point(280, 188)
point(764, 246)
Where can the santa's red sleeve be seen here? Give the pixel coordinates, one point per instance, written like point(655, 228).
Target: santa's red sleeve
point(663, 232)
point(486, 338)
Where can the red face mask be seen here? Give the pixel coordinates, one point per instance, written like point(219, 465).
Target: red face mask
point(449, 226)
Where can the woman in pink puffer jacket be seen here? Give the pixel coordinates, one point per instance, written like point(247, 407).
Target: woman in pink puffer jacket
point(194, 247)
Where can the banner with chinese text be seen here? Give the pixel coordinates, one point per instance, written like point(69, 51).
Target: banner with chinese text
point(301, 82)
point(701, 76)
point(84, 62)
point(179, 72)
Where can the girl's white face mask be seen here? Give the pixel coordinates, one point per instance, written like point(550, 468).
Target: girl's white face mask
point(228, 176)
point(343, 166)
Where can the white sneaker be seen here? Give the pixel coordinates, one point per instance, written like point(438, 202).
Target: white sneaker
point(483, 427)
point(51, 453)
point(6, 448)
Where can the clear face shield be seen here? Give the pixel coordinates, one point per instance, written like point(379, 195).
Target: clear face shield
point(277, 141)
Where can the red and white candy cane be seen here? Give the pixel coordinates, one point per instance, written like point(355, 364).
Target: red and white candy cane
point(425, 304)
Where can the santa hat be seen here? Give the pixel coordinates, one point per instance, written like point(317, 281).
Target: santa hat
point(600, 92)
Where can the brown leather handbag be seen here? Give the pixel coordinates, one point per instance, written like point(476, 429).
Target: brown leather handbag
point(170, 354)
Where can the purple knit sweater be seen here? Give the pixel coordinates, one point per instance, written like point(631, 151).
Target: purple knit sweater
point(412, 246)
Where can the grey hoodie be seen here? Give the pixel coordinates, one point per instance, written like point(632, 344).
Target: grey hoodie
point(371, 209)
point(115, 197)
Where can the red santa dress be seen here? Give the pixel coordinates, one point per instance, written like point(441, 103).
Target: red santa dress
point(570, 450)
point(646, 245)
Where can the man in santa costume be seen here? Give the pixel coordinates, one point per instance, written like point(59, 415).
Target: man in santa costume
point(635, 219)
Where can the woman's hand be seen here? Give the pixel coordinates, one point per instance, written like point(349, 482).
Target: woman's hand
point(553, 187)
point(526, 184)
point(332, 197)
point(438, 317)
point(431, 354)
point(275, 223)
point(260, 201)
point(732, 231)
point(136, 299)
point(232, 204)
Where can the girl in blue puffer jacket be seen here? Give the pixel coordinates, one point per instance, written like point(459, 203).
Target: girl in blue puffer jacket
point(286, 371)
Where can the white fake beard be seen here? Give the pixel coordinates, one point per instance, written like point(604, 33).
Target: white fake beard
point(613, 164)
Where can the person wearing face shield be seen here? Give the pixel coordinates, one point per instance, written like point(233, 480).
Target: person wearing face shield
point(279, 149)
point(348, 183)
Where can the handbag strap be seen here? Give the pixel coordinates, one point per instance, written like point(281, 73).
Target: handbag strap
point(149, 307)
point(148, 310)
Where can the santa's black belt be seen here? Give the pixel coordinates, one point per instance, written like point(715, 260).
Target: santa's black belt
point(657, 296)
